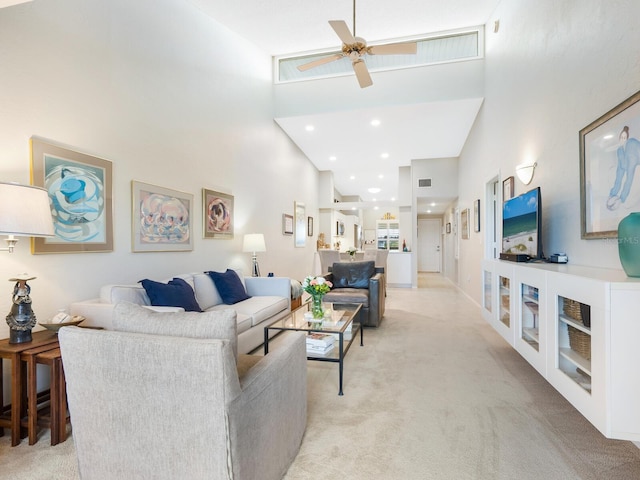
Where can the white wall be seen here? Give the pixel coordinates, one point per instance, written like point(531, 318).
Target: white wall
point(171, 98)
point(553, 68)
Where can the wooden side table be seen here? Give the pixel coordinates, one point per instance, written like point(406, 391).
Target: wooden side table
point(12, 352)
point(57, 419)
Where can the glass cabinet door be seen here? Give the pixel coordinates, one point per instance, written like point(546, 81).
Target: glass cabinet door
point(574, 341)
point(505, 300)
point(530, 328)
point(487, 291)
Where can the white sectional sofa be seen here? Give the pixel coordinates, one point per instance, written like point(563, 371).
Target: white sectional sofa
point(270, 301)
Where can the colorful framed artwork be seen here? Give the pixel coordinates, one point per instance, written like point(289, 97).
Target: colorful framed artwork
point(476, 215)
point(300, 221)
point(609, 155)
point(310, 226)
point(161, 219)
point(80, 195)
point(507, 189)
point(464, 223)
point(217, 214)
point(287, 224)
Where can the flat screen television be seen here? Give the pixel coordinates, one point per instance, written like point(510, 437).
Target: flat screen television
point(522, 225)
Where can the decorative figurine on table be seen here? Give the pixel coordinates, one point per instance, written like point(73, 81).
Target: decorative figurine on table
point(21, 318)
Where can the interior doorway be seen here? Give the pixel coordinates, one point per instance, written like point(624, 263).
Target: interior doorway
point(430, 245)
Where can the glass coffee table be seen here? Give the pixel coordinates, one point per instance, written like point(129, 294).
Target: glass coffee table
point(341, 326)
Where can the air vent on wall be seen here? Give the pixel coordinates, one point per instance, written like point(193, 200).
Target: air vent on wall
point(424, 182)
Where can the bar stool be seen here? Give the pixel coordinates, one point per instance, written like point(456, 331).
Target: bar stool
point(57, 421)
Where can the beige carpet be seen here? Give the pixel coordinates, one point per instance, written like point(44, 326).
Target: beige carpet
point(435, 393)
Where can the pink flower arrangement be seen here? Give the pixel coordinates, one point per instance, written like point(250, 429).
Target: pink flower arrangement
point(316, 285)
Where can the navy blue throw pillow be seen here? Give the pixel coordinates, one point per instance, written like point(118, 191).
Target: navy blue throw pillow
point(229, 286)
point(176, 293)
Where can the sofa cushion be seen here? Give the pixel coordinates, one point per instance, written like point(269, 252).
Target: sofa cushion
point(206, 292)
point(220, 324)
point(353, 274)
point(348, 295)
point(124, 293)
point(260, 308)
point(175, 293)
point(229, 286)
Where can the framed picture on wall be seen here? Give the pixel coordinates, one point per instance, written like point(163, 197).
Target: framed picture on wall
point(80, 193)
point(507, 189)
point(476, 215)
point(609, 155)
point(161, 219)
point(310, 226)
point(464, 223)
point(217, 214)
point(287, 224)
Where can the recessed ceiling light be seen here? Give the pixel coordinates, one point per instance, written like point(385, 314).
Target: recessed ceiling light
point(433, 204)
point(333, 158)
point(353, 208)
point(352, 177)
point(373, 199)
point(384, 155)
point(309, 128)
point(375, 208)
point(428, 211)
point(393, 199)
point(375, 122)
point(373, 190)
point(380, 176)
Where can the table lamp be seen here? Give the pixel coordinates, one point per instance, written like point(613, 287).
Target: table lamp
point(254, 242)
point(24, 211)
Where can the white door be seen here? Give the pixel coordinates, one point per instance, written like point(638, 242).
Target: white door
point(429, 245)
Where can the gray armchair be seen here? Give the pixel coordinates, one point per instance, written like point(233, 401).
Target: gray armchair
point(165, 407)
point(359, 282)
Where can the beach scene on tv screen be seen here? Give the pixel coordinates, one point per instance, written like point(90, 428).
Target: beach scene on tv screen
point(520, 224)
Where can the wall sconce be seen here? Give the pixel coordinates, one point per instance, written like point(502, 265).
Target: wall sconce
point(254, 242)
point(524, 171)
point(24, 211)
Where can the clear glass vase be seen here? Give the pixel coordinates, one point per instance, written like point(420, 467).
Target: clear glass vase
point(316, 307)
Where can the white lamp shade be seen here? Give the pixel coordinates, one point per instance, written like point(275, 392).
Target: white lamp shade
point(254, 242)
point(25, 211)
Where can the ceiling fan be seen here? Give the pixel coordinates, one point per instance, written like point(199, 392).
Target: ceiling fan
point(355, 48)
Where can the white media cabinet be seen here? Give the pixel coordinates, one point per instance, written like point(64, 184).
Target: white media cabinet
point(533, 305)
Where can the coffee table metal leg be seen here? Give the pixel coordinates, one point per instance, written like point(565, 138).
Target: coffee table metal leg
point(341, 353)
point(266, 340)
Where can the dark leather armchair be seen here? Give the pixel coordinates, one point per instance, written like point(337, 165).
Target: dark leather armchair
point(358, 282)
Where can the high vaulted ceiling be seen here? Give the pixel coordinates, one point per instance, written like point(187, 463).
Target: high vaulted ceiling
point(407, 132)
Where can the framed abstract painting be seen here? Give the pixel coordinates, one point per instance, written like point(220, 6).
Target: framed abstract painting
point(80, 195)
point(161, 219)
point(217, 214)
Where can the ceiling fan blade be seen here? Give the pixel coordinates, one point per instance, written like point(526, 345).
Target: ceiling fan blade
point(320, 61)
point(393, 49)
point(362, 74)
point(342, 30)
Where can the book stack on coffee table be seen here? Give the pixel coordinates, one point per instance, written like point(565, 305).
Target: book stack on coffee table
point(320, 343)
